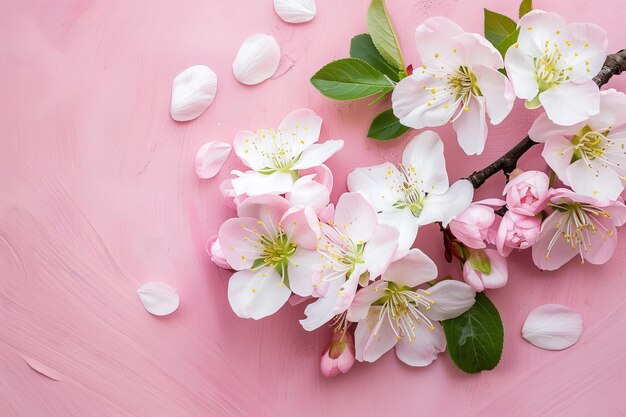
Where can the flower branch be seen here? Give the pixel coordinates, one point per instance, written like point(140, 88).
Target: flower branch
point(614, 65)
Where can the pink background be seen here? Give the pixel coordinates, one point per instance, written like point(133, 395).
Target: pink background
point(99, 195)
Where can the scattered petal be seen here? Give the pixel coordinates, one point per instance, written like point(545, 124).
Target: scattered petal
point(295, 11)
point(158, 298)
point(193, 91)
point(257, 59)
point(211, 157)
point(553, 327)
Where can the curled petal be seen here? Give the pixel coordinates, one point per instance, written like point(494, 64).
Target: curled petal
point(257, 59)
point(158, 298)
point(295, 11)
point(193, 91)
point(553, 327)
point(211, 157)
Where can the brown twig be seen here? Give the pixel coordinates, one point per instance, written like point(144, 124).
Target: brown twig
point(613, 65)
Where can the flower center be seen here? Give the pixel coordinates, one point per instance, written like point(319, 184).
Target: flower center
point(275, 253)
point(463, 84)
point(409, 187)
point(340, 251)
point(579, 221)
point(402, 308)
point(590, 145)
point(279, 149)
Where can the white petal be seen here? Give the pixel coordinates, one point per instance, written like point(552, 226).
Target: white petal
point(590, 43)
point(317, 154)
point(193, 91)
point(158, 298)
point(558, 153)
point(445, 207)
point(594, 180)
point(498, 92)
point(304, 125)
point(295, 11)
point(324, 308)
point(254, 295)
point(412, 270)
point(421, 100)
point(379, 251)
point(452, 298)
point(423, 350)
point(355, 217)
point(403, 220)
point(553, 327)
point(255, 183)
point(301, 226)
point(471, 127)
point(309, 193)
point(363, 300)
point(211, 157)
point(480, 51)
point(423, 155)
point(521, 71)
point(536, 28)
point(375, 182)
point(544, 129)
point(373, 337)
point(302, 266)
point(438, 45)
point(570, 103)
point(257, 59)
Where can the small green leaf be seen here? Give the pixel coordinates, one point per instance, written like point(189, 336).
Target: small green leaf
point(498, 27)
point(386, 126)
point(476, 338)
point(350, 79)
point(507, 42)
point(363, 48)
point(525, 7)
point(383, 35)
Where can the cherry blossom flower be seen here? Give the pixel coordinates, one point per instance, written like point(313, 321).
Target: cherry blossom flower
point(458, 82)
point(416, 191)
point(396, 312)
point(338, 357)
point(579, 225)
point(271, 246)
point(275, 157)
point(527, 193)
point(485, 269)
point(553, 65)
point(589, 156)
point(353, 249)
point(472, 226)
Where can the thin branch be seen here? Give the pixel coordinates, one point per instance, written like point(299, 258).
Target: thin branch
point(613, 65)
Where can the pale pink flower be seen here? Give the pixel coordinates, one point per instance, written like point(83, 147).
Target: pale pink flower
point(471, 227)
point(397, 312)
point(338, 357)
point(485, 269)
point(527, 193)
point(214, 249)
point(353, 250)
point(588, 156)
point(458, 82)
point(553, 65)
point(271, 245)
point(275, 157)
point(517, 231)
point(579, 225)
point(415, 192)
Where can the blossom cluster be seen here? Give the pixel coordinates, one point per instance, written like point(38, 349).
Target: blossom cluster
point(354, 262)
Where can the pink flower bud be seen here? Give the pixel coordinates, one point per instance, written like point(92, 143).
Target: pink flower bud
point(485, 269)
point(527, 193)
point(338, 357)
point(214, 249)
point(471, 227)
point(517, 231)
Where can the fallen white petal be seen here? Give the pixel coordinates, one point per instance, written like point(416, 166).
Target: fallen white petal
point(211, 157)
point(295, 11)
point(257, 59)
point(553, 327)
point(158, 298)
point(193, 91)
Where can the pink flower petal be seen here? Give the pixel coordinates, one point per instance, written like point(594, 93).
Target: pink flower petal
point(158, 298)
point(210, 158)
point(553, 327)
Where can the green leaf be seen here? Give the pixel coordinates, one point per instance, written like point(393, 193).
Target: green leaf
point(386, 126)
point(362, 47)
point(350, 79)
point(507, 42)
point(476, 338)
point(525, 7)
point(383, 35)
point(498, 27)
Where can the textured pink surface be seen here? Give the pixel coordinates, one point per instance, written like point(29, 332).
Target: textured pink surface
point(99, 195)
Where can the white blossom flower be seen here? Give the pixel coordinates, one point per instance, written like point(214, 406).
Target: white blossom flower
point(553, 65)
